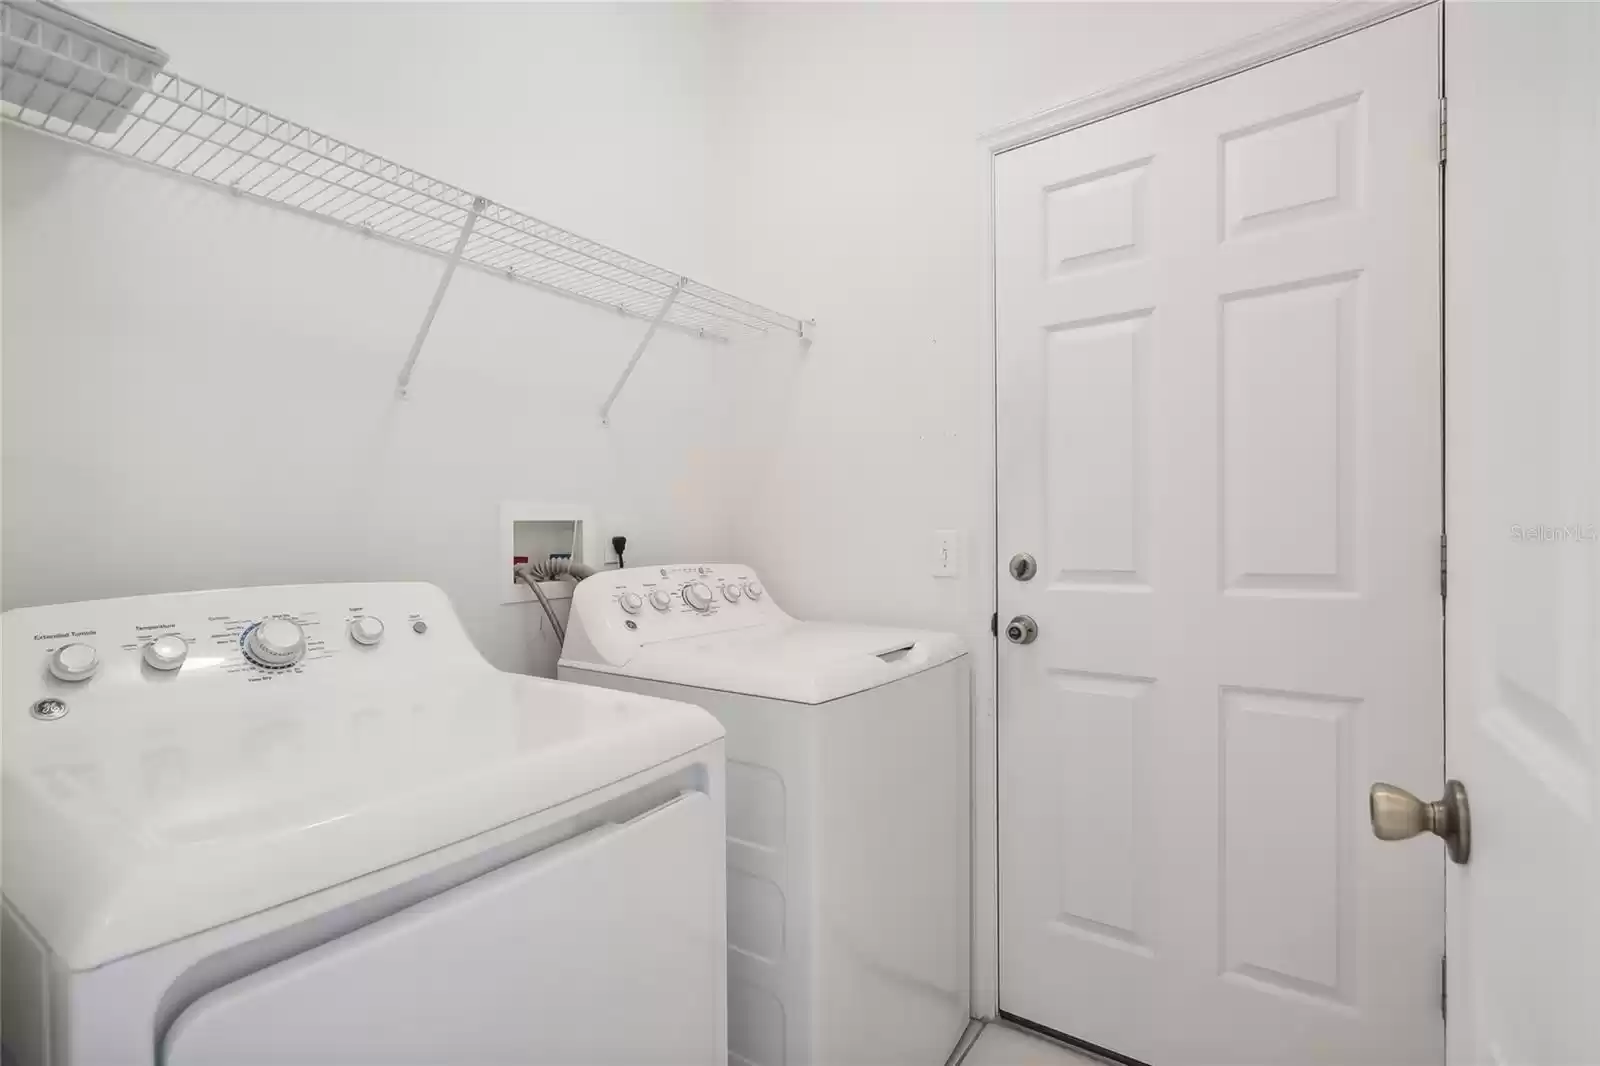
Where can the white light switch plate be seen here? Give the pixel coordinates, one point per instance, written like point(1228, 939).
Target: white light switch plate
point(946, 553)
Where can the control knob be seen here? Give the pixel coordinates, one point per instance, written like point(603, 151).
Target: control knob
point(753, 589)
point(366, 630)
point(275, 643)
point(166, 652)
point(631, 602)
point(661, 599)
point(731, 593)
point(75, 662)
point(697, 595)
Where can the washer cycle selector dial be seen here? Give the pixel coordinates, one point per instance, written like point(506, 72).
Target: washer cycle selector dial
point(166, 652)
point(74, 662)
point(275, 643)
point(661, 599)
point(697, 595)
point(631, 602)
point(366, 630)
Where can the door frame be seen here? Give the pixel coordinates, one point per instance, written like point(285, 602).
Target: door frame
point(1337, 19)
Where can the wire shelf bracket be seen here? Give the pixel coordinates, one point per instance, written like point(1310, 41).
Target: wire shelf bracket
point(438, 295)
point(644, 342)
point(63, 77)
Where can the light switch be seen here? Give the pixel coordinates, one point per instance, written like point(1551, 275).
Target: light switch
point(946, 553)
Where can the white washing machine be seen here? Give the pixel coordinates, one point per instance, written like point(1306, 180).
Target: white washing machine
point(848, 807)
point(311, 825)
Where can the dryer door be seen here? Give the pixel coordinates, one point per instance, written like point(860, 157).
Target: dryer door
point(606, 949)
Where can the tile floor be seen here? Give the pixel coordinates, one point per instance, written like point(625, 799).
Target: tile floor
point(1001, 1045)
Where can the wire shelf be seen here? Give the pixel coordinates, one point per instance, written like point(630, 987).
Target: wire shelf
point(70, 86)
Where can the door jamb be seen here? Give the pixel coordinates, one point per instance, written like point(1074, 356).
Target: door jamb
point(1320, 26)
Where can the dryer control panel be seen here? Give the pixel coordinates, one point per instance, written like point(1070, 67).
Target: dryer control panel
point(76, 656)
point(618, 610)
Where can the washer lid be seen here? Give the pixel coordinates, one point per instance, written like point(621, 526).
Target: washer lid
point(130, 825)
point(801, 662)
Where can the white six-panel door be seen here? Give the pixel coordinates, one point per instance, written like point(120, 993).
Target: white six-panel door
point(1219, 433)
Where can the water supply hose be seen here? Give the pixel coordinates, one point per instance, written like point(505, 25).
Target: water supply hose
point(531, 574)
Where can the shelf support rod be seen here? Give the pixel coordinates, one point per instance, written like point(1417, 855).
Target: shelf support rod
point(478, 204)
point(644, 342)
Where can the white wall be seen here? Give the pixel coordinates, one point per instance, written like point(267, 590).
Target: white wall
point(820, 158)
point(199, 391)
point(1522, 450)
point(854, 195)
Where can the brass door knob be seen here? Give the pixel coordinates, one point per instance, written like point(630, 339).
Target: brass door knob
point(1398, 815)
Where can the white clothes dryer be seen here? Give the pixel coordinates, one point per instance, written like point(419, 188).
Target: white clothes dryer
point(849, 806)
point(312, 825)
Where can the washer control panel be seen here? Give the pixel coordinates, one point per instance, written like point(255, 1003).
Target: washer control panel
point(78, 652)
point(645, 604)
point(701, 588)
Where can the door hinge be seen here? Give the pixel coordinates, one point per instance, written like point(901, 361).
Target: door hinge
point(1444, 127)
point(994, 624)
point(1444, 989)
point(1444, 567)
